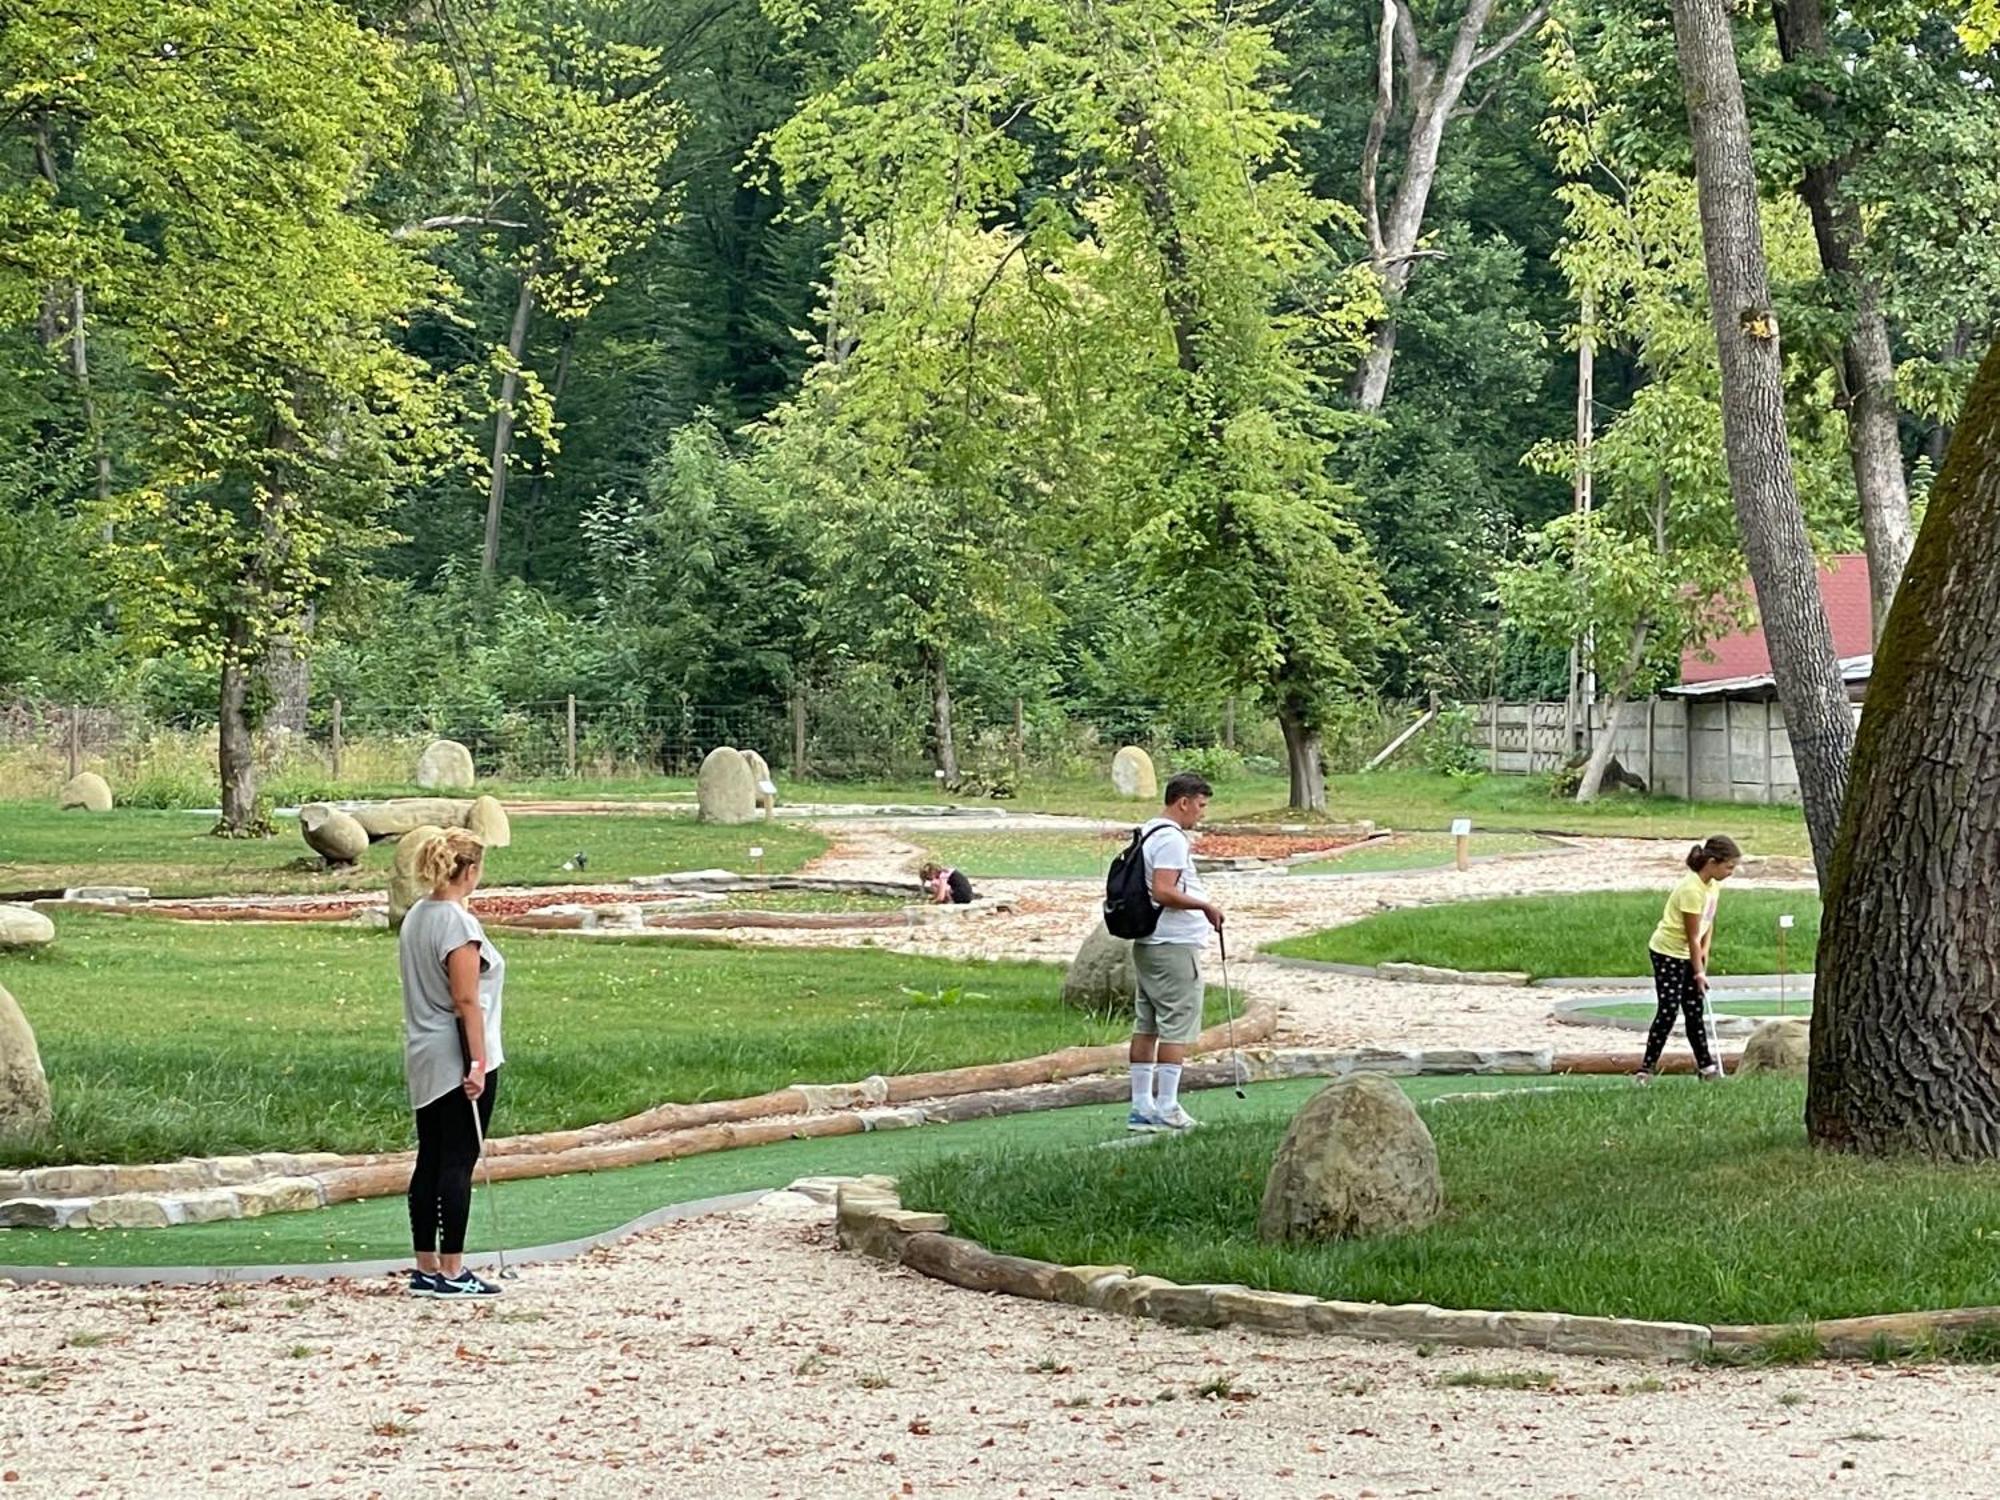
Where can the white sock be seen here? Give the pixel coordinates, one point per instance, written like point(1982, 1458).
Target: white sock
point(1166, 1087)
point(1142, 1088)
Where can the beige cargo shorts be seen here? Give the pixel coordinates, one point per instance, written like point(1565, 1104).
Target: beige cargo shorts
point(1170, 991)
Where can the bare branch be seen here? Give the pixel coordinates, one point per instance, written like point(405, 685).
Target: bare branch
point(453, 221)
point(1529, 23)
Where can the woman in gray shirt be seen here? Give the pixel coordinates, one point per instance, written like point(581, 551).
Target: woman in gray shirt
point(452, 978)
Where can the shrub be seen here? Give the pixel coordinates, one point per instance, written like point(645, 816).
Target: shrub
point(1216, 762)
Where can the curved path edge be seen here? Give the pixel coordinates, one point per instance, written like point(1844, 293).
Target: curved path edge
point(870, 1220)
point(479, 1260)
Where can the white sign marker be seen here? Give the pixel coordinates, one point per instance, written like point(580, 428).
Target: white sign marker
point(1461, 828)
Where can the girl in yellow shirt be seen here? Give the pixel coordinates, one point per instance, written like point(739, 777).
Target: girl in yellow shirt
point(1680, 955)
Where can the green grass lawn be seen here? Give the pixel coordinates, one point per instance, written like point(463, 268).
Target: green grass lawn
point(1676, 1202)
point(1719, 1004)
point(172, 854)
point(1422, 851)
point(1024, 856)
point(164, 1038)
point(549, 1210)
point(1585, 934)
point(811, 901)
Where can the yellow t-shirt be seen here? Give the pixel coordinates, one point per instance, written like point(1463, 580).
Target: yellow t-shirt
point(1695, 895)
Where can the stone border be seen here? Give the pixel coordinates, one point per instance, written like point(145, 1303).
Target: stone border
point(1408, 973)
point(870, 1219)
point(1727, 1024)
point(204, 1189)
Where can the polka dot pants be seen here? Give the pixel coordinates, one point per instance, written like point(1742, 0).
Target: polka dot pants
point(1673, 983)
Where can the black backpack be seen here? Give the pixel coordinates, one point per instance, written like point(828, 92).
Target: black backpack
point(1129, 908)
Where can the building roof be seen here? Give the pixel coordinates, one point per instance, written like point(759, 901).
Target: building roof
point(1843, 585)
point(1854, 671)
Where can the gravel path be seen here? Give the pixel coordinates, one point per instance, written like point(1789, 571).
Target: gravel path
point(1048, 919)
point(743, 1356)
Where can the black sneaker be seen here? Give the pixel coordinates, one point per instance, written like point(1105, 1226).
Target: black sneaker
point(464, 1284)
point(424, 1283)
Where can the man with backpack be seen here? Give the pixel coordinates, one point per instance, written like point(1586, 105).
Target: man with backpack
point(1154, 897)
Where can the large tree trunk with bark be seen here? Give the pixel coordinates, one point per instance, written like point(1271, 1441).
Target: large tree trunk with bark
point(1303, 762)
point(1868, 364)
point(1906, 1012)
point(503, 426)
point(236, 754)
point(1605, 745)
point(1817, 715)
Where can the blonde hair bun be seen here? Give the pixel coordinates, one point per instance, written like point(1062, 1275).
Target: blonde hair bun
point(446, 856)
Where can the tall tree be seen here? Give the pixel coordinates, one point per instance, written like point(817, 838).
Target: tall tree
point(1420, 83)
point(1868, 362)
point(1817, 716)
point(1906, 1011)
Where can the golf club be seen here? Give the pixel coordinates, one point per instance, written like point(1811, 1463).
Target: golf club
point(1229, 1010)
point(492, 1204)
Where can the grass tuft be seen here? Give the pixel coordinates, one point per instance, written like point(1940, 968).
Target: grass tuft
point(1499, 1380)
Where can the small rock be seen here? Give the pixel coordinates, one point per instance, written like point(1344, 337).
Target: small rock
point(86, 790)
point(1356, 1161)
point(1780, 1046)
point(1132, 774)
point(1103, 976)
point(335, 836)
point(24, 927)
point(445, 765)
point(486, 820)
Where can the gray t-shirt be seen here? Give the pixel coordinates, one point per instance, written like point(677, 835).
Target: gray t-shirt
point(1170, 850)
point(433, 1056)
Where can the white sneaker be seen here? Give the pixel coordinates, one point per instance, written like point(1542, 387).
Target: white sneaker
point(1176, 1119)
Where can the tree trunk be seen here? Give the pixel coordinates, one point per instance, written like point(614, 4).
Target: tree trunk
point(236, 752)
point(1434, 88)
point(1601, 750)
point(288, 671)
point(943, 742)
point(538, 481)
point(1302, 759)
point(1906, 1012)
point(503, 426)
point(1868, 364)
point(1817, 715)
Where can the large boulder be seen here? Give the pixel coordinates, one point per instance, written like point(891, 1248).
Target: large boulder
point(86, 790)
point(1102, 977)
point(24, 927)
point(1356, 1161)
point(400, 815)
point(333, 835)
point(761, 777)
point(445, 766)
point(486, 820)
point(24, 1088)
point(1778, 1046)
point(724, 791)
point(1132, 773)
point(406, 887)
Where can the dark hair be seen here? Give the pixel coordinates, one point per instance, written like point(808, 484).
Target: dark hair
point(1719, 850)
point(1188, 784)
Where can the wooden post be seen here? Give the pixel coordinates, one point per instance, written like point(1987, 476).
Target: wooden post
point(569, 737)
point(1493, 734)
point(75, 741)
point(1020, 734)
point(335, 746)
point(799, 733)
point(1729, 748)
point(1652, 708)
point(1687, 749)
point(1229, 722)
point(1461, 839)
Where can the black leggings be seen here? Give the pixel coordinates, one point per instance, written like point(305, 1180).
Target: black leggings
point(1673, 983)
point(441, 1182)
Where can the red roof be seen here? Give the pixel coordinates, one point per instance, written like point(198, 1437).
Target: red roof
point(1843, 585)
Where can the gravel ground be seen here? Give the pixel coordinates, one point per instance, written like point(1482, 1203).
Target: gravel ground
point(1048, 919)
point(744, 1356)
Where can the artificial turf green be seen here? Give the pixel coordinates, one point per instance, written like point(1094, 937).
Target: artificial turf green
point(1678, 1202)
point(1582, 934)
point(172, 853)
point(550, 1210)
point(167, 1038)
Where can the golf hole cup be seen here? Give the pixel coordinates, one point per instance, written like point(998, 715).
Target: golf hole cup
point(1461, 840)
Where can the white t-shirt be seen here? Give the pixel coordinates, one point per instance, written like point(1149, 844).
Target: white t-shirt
point(434, 1054)
point(1172, 851)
